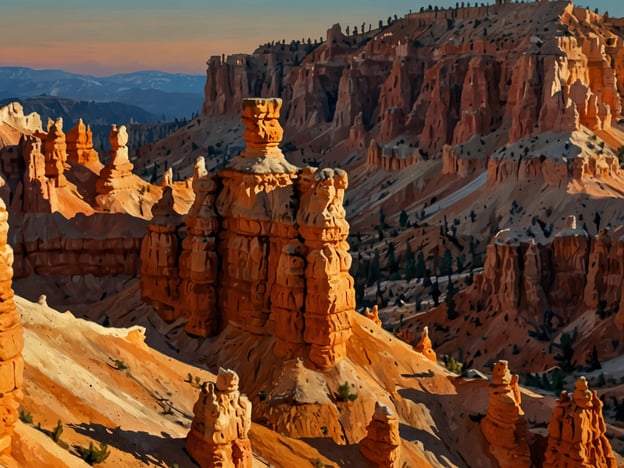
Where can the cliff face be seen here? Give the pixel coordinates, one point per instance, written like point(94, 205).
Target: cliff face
point(438, 78)
point(11, 344)
point(281, 260)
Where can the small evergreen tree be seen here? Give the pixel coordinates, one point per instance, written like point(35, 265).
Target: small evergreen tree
point(435, 292)
point(410, 263)
point(592, 359)
point(421, 267)
point(446, 264)
point(374, 273)
point(403, 219)
point(451, 313)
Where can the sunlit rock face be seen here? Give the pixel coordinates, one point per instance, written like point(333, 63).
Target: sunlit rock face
point(265, 249)
point(11, 344)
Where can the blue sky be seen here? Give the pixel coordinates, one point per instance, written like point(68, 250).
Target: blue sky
point(115, 36)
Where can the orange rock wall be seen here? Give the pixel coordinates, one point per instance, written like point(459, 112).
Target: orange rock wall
point(439, 76)
point(11, 344)
point(97, 244)
point(274, 256)
point(576, 432)
point(571, 274)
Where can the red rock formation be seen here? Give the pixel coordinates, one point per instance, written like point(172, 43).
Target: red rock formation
point(425, 347)
point(268, 280)
point(198, 259)
point(99, 244)
point(504, 426)
point(160, 250)
point(390, 158)
point(39, 193)
point(570, 249)
point(458, 162)
point(255, 206)
point(576, 432)
point(330, 296)
point(56, 154)
point(11, 344)
point(117, 175)
point(373, 315)
point(219, 434)
point(382, 444)
point(573, 159)
point(439, 76)
point(80, 145)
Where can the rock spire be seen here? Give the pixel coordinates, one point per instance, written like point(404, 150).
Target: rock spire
point(219, 433)
point(11, 344)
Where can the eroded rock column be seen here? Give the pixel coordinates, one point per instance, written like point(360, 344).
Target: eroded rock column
point(382, 444)
point(11, 344)
point(160, 249)
point(576, 432)
point(330, 296)
point(80, 145)
point(56, 154)
point(219, 433)
point(198, 261)
point(257, 206)
point(117, 173)
point(504, 426)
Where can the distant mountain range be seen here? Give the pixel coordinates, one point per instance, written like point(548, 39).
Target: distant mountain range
point(165, 95)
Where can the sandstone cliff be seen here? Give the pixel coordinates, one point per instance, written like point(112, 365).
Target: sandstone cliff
point(438, 77)
point(11, 344)
point(281, 261)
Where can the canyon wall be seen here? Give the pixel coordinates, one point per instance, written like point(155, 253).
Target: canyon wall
point(11, 344)
point(272, 258)
point(437, 78)
point(572, 274)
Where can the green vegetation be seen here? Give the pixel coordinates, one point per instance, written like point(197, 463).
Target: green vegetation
point(56, 435)
point(93, 455)
point(25, 416)
point(453, 365)
point(119, 364)
point(344, 393)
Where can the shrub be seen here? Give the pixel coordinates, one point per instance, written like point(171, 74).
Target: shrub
point(344, 393)
point(25, 416)
point(93, 455)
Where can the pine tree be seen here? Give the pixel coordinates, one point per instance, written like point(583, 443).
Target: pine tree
point(451, 313)
point(435, 293)
point(391, 261)
point(374, 273)
point(421, 267)
point(403, 219)
point(410, 263)
point(446, 265)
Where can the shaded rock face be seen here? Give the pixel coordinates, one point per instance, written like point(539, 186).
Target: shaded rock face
point(56, 154)
point(390, 158)
point(382, 444)
point(504, 426)
point(219, 433)
point(39, 194)
point(11, 344)
point(572, 274)
point(273, 257)
point(440, 76)
point(576, 432)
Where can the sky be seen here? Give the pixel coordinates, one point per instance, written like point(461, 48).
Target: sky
point(117, 36)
